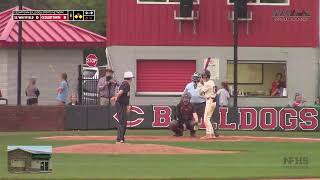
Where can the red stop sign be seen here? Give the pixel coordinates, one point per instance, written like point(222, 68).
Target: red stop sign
point(92, 60)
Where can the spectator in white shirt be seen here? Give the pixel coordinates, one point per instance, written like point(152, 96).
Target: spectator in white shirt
point(224, 95)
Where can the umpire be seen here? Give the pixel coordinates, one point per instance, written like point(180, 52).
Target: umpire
point(122, 105)
point(198, 101)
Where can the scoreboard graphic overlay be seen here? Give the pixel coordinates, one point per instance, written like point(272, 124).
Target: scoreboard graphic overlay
point(54, 15)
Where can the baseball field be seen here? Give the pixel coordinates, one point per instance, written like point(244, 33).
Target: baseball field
point(154, 154)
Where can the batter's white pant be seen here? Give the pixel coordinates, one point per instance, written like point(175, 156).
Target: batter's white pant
point(210, 106)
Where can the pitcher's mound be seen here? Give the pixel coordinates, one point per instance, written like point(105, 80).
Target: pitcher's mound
point(100, 148)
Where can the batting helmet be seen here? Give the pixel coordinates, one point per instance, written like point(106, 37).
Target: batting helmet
point(206, 73)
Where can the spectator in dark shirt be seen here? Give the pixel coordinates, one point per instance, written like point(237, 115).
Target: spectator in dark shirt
point(73, 100)
point(32, 92)
point(122, 105)
point(186, 117)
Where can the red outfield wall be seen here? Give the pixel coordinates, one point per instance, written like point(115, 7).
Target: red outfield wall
point(129, 23)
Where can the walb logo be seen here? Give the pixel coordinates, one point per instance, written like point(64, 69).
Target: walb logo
point(296, 161)
point(291, 15)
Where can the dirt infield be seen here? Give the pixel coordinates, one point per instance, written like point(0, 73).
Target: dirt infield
point(181, 139)
point(100, 148)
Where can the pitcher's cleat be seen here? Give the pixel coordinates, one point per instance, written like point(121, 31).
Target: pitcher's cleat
point(120, 142)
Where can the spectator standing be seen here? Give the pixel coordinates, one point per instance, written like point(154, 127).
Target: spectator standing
point(298, 102)
point(198, 101)
point(122, 100)
point(207, 89)
point(3, 99)
point(73, 100)
point(223, 95)
point(107, 88)
point(63, 89)
point(32, 92)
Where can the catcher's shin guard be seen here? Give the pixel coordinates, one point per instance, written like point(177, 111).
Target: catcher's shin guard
point(176, 127)
point(193, 127)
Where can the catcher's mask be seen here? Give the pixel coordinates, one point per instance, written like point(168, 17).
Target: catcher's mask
point(186, 97)
point(196, 77)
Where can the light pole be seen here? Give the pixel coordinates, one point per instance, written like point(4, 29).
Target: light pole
point(235, 49)
point(19, 58)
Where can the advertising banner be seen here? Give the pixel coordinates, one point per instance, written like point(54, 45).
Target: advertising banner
point(244, 118)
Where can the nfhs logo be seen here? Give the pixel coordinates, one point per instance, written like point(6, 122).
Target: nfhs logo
point(296, 161)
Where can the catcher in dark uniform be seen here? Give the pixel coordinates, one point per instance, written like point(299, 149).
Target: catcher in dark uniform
point(186, 117)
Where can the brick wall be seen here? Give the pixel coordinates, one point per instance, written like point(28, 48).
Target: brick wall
point(37, 118)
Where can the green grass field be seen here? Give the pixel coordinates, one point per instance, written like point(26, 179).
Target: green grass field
point(256, 160)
